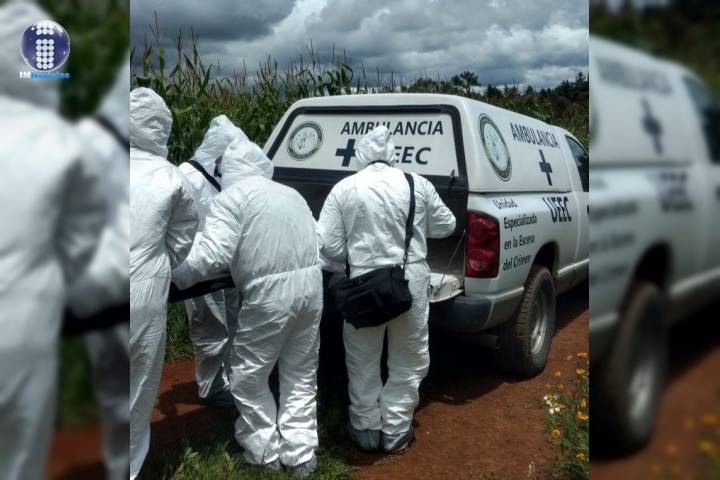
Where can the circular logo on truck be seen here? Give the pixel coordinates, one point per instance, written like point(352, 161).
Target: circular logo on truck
point(305, 140)
point(495, 147)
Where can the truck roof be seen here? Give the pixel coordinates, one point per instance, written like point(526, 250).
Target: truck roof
point(399, 99)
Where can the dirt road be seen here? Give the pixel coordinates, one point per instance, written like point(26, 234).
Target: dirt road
point(473, 422)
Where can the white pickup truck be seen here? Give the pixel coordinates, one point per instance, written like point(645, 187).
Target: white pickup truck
point(517, 186)
point(655, 228)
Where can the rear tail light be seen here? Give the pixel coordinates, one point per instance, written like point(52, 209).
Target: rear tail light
point(482, 246)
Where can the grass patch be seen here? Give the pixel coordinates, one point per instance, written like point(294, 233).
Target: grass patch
point(568, 420)
point(213, 459)
point(210, 456)
point(76, 397)
point(178, 346)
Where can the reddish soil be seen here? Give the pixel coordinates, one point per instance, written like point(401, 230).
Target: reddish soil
point(690, 410)
point(178, 415)
point(472, 422)
point(76, 454)
point(475, 422)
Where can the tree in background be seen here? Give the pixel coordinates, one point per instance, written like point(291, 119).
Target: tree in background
point(685, 31)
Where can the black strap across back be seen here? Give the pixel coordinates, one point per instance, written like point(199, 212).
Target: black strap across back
point(410, 218)
point(205, 174)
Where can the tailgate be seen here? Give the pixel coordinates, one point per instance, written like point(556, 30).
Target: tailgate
point(446, 258)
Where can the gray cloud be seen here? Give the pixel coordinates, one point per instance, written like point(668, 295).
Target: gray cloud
point(212, 19)
point(539, 42)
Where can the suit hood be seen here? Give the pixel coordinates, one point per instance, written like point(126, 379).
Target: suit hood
point(244, 159)
point(375, 146)
point(150, 122)
point(219, 135)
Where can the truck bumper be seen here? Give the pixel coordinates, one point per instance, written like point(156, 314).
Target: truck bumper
point(473, 313)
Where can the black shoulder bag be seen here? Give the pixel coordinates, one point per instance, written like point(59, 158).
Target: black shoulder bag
point(381, 294)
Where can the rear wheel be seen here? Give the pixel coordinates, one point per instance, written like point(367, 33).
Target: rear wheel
point(525, 339)
point(628, 383)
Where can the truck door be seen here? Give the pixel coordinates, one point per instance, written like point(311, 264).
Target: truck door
point(708, 111)
point(581, 187)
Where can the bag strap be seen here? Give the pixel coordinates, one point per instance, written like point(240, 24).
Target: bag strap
point(205, 174)
point(410, 219)
point(113, 130)
point(408, 224)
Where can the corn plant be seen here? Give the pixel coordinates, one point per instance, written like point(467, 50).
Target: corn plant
point(196, 91)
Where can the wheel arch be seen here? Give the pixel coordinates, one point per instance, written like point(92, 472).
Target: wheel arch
point(654, 266)
point(547, 257)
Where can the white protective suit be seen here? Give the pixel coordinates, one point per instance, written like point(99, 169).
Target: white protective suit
point(106, 282)
point(213, 316)
point(163, 222)
point(265, 233)
point(52, 213)
point(363, 221)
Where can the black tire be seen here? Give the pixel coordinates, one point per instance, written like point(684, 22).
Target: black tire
point(627, 384)
point(521, 350)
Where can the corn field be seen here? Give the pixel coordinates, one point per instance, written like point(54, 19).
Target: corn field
point(195, 91)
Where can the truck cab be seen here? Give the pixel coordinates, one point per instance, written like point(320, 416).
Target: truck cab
point(655, 180)
point(517, 186)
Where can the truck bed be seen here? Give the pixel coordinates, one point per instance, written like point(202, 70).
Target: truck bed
point(440, 252)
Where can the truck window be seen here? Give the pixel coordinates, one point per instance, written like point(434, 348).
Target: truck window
point(581, 161)
point(709, 112)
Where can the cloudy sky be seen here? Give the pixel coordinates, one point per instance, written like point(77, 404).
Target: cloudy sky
point(536, 42)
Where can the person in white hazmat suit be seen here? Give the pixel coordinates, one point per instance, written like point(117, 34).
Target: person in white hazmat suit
point(163, 222)
point(52, 213)
point(213, 316)
point(105, 285)
point(363, 222)
point(265, 234)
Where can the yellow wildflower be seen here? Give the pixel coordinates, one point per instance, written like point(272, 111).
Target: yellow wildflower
point(555, 433)
point(580, 456)
point(706, 446)
point(582, 354)
point(581, 371)
point(583, 403)
point(581, 416)
point(560, 386)
point(569, 357)
point(558, 373)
